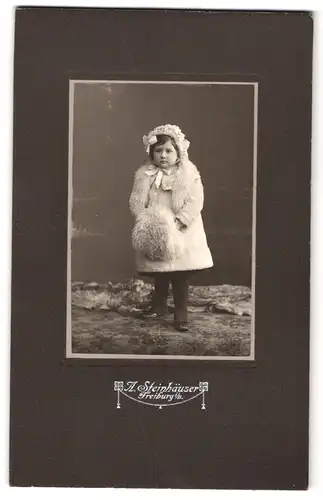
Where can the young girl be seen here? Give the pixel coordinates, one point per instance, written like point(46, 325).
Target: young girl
point(168, 236)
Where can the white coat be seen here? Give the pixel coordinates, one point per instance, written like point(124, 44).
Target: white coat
point(158, 243)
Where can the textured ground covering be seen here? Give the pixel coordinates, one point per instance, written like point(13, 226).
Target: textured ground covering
point(106, 319)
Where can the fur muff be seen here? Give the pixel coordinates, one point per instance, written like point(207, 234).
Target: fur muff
point(156, 236)
point(159, 245)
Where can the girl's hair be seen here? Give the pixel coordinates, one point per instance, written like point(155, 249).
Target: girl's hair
point(162, 139)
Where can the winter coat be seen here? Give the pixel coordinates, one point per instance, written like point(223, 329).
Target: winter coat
point(160, 246)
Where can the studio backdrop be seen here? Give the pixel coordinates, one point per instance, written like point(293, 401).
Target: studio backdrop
point(107, 122)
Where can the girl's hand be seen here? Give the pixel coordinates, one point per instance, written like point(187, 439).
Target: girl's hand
point(179, 225)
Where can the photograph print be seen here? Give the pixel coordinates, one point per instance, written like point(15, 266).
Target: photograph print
point(162, 217)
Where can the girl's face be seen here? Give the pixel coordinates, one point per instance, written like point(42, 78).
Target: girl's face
point(165, 155)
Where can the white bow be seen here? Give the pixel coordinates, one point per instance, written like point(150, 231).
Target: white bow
point(159, 176)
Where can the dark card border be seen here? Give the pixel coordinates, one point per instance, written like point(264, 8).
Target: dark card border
point(64, 425)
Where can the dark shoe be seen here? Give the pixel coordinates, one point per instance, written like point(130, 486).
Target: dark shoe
point(150, 313)
point(181, 326)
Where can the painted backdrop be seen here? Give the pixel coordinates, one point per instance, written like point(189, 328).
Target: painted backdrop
point(109, 121)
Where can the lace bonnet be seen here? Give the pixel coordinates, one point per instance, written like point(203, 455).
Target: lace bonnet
point(171, 130)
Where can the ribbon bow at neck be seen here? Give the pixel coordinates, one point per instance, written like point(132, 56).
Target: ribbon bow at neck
point(160, 174)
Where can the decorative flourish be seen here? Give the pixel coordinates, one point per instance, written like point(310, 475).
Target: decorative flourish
point(204, 387)
point(118, 386)
point(172, 393)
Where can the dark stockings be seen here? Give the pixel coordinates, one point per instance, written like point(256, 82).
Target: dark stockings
point(179, 282)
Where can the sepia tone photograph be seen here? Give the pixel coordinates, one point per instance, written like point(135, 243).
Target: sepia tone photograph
point(162, 218)
point(161, 224)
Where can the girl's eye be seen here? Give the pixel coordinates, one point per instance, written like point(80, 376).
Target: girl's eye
point(159, 150)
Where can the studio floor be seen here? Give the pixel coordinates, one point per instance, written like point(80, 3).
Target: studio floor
point(106, 320)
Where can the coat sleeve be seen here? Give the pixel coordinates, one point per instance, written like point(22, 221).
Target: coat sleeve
point(138, 196)
point(193, 205)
